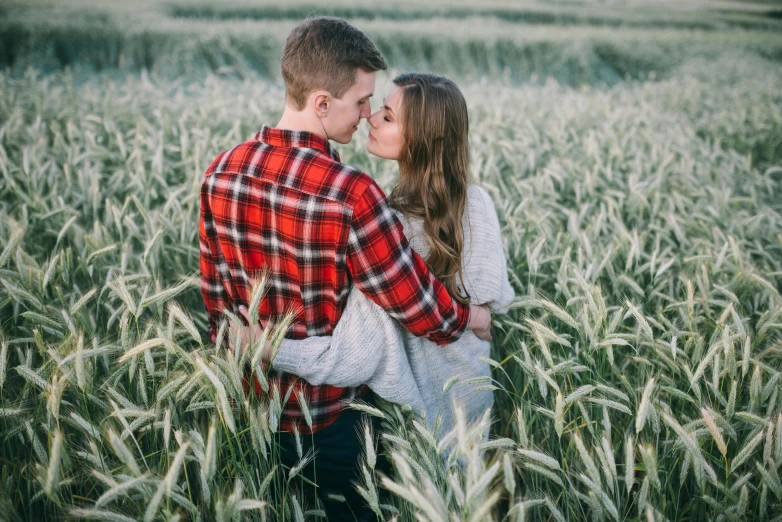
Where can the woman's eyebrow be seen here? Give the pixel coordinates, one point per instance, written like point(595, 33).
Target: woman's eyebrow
point(386, 107)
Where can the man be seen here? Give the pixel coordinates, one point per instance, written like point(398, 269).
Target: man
point(283, 203)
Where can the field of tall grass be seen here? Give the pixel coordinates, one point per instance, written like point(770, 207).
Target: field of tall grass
point(636, 377)
point(525, 41)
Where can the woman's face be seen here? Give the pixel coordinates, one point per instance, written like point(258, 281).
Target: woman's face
point(385, 133)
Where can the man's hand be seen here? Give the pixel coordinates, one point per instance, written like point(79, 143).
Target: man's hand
point(480, 322)
point(249, 334)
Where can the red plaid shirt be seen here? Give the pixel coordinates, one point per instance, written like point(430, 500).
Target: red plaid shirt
point(282, 202)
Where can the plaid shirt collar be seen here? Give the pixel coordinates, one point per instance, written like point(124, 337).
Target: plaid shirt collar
point(296, 139)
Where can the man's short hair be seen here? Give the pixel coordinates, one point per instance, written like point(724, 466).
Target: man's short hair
point(324, 53)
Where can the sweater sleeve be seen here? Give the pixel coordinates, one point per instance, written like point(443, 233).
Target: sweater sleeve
point(485, 266)
point(353, 355)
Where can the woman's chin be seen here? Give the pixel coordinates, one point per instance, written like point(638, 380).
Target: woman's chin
point(373, 149)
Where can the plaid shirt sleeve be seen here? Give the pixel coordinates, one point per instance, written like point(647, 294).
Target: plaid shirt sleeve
point(388, 271)
point(212, 288)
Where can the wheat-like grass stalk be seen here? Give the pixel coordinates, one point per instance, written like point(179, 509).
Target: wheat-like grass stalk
point(120, 490)
point(509, 479)
point(33, 377)
point(123, 453)
point(640, 318)
point(716, 434)
point(11, 246)
point(166, 484)
point(99, 514)
point(629, 462)
point(746, 451)
point(770, 479)
point(53, 468)
point(768, 447)
point(3, 361)
point(540, 458)
point(521, 428)
point(778, 439)
point(210, 452)
point(587, 460)
point(303, 461)
point(222, 398)
point(89, 428)
point(559, 414)
point(141, 348)
point(168, 293)
point(185, 320)
point(366, 408)
point(643, 408)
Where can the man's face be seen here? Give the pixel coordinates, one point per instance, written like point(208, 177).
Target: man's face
point(344, 115)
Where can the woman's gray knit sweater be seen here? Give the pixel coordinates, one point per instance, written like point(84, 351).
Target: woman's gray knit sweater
point(369, 347)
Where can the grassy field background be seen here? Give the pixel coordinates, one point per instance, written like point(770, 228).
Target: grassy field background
point(575, 43)
point(633, 151)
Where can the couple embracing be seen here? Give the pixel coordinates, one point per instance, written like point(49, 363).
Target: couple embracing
point(392, 295)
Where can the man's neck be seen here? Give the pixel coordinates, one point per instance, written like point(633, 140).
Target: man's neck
point(299, 121)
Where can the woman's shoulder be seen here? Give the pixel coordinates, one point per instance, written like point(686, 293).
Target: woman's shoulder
point(478, 201)
point(478, 193)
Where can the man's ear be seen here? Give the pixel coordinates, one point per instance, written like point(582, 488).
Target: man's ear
point(321, 102)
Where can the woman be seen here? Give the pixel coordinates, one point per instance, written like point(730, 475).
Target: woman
point(423, 125)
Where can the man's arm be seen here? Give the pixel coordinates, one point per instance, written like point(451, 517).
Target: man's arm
point(390, 273)
point(212, 289)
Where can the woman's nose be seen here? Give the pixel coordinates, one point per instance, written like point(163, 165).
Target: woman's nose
point(371, 119)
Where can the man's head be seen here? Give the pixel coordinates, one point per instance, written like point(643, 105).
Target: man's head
point(329, 69)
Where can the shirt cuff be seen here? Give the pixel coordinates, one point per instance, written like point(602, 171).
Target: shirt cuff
point(463, 317)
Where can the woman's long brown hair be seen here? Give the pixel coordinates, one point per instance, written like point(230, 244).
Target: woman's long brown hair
point(434, 170)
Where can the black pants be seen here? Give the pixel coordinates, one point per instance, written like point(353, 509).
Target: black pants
point(335, 468)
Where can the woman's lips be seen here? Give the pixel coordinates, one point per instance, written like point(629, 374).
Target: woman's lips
point(371, 137)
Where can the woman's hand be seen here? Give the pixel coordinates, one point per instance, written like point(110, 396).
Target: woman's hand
point(480, 321)
point(248, 334)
